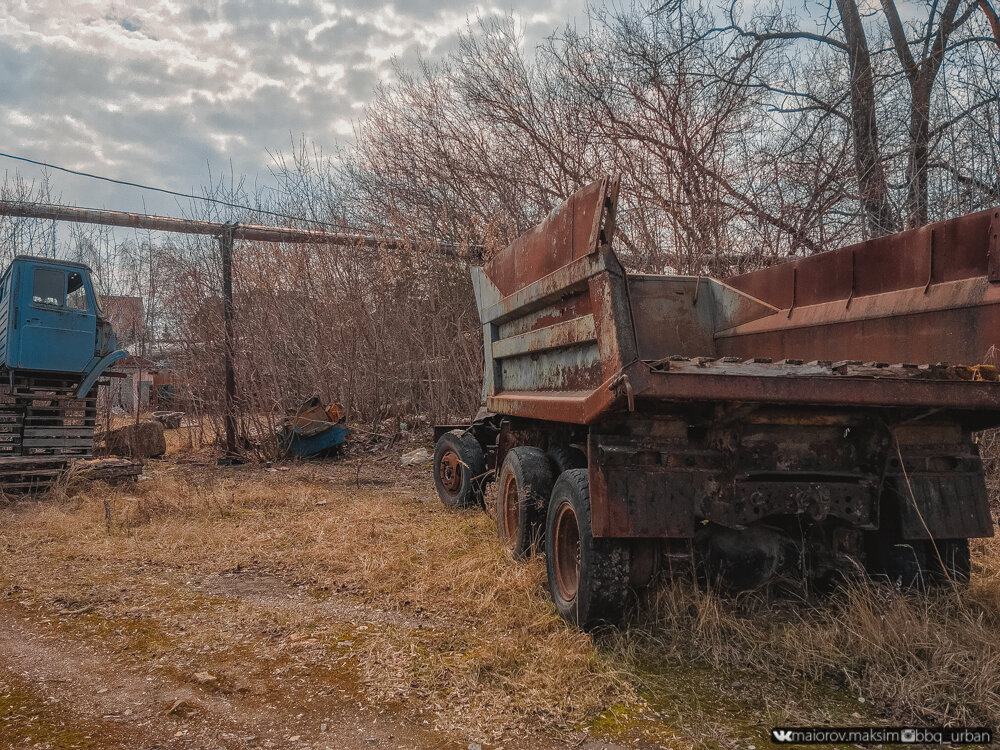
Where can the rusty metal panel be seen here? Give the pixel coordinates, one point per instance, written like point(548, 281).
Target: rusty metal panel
point(573, 305)
point(945, 251)
point(936, 474)
point(573, 407)
point(612, 317)
point(957, 322)
point(487, 296)
point(632, 494)
point(570, 232)
point(542, 328)
point(680, 315)
point(574, 331)
point(952, 505)
point(547, 290)
point(651, 385)
point(574, 368)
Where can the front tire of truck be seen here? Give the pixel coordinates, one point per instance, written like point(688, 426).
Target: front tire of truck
point(588, 578)
point(523, 489)
point(459, 470)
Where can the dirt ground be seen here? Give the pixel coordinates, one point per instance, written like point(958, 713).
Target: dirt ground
point(185, 612)
point(334, 604)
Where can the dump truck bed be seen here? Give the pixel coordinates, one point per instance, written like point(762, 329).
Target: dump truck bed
point(904, 321)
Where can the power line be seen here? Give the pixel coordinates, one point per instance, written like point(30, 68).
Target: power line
point(218, 201)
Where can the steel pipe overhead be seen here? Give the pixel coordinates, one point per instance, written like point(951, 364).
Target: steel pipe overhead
point(215, 229)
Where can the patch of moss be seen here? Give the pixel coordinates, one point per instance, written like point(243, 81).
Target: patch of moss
point(728, 707)
point(25, 721)
point(633, 722)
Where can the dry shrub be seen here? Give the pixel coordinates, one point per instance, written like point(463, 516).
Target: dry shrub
point(989, 450)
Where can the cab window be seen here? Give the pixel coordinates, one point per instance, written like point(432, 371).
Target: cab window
point(76, 292)
point(49, 287)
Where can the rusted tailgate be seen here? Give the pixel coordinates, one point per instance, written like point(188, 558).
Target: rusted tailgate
point(554, 310)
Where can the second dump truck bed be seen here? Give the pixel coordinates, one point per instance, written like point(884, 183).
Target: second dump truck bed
point(897, 322)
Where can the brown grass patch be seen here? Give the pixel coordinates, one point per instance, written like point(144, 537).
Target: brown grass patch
point(444, 626)
point(464, 635)
point(931, 658)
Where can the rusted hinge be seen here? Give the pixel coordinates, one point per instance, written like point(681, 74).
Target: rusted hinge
point(623, 384)
point(994, 251)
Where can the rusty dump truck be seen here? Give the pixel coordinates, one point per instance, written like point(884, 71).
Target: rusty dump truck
point(807, 419)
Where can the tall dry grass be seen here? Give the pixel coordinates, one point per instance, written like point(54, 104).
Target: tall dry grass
point(460, 632)
point(931, 657)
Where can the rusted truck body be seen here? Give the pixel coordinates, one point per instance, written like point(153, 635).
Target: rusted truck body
point(802, 420)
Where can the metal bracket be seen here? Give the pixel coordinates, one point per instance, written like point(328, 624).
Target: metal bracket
point(622, 383)
point(795, 283)
point(930, 262)
point(994, 247)
point(854, 264)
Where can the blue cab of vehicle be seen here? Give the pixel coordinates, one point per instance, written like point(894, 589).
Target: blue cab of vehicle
point(51, 321)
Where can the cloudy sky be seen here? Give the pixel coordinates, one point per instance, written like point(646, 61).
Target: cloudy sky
point(156, 91)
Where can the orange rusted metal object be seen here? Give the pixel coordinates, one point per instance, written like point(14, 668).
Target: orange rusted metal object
point(817, 414)
point(571, 337)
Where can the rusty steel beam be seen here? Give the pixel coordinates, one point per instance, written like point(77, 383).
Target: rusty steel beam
point(253, 232)
point(811, 390)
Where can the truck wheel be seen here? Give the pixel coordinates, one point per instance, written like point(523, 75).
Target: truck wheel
point(588, 577)
point(523, 489)
point(459, 467)
point(566, 457)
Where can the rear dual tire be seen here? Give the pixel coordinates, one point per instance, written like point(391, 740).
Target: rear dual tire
point(588, 578)
point(523, 490)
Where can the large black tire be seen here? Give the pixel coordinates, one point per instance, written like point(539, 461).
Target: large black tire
point(588, 577)
point(566, 457)
point(523, 490)
point(459, 470)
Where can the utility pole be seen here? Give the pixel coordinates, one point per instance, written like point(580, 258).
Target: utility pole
point(229, 345)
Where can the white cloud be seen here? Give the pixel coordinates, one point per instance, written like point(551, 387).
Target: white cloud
point(155, 91)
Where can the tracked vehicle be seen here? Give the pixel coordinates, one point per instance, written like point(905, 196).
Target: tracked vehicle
point(54, 347)
point(806, 419)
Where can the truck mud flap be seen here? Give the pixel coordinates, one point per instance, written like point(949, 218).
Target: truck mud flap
point(944, 506)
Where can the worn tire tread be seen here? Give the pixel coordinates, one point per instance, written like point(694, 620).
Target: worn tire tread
point(605, 563)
